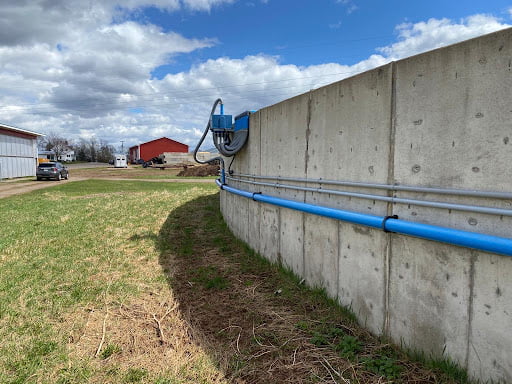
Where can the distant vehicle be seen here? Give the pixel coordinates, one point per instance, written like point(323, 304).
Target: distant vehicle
point(52, 170)
point(120, 161)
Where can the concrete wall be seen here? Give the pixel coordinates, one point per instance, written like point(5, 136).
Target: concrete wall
point(175, 158)
point(440, 119)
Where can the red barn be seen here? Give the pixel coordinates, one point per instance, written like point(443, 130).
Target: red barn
point(154, 148)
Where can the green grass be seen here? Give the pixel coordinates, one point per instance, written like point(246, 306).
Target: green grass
point(62, 250)
point(135, 375)
point(59, 251)
point(110, 349)
point(211, 278)
point(383, 366)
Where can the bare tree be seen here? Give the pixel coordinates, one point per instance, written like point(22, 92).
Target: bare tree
point(94, 150)
point(53, 142)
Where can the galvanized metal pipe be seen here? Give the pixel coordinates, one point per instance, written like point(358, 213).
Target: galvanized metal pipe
point(483, 242)
point(389, 187)
point(423, 203)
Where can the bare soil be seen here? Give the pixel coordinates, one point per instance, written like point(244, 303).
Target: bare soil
point(200, 171)
point(10, 188)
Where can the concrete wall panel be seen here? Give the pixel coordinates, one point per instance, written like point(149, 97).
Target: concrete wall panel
point(429, 296)
point(350, 128)
point(490, 349)
point(240, 222)
point(321, 240)
point(453, 115)
point(269, 232)
point(363, 273)
point(349, 136)
point(283, 139)
point(291, 245)
point(253, 224)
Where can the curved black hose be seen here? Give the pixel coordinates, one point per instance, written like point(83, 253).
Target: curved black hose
point(231, 163)
point(239, 140)
point(208, 126)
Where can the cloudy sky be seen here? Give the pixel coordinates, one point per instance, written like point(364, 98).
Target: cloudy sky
point(135, 70)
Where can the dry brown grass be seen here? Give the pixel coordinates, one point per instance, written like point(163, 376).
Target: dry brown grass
point(148, 333)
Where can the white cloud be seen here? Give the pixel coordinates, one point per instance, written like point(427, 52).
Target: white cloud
point(97, 82)
point(435, 33)
point(335, 25)
point(350, 6)
point(205, 5)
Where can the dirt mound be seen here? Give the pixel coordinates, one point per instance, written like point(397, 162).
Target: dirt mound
point(200, 170)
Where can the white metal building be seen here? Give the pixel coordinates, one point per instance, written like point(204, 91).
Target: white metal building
point(18, 152)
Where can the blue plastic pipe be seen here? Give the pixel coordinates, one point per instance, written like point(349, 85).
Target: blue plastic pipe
point(482, 242)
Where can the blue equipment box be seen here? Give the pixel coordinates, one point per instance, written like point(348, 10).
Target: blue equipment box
point(222, 122)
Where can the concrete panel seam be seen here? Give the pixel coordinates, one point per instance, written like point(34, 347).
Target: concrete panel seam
point(279, 257)
point(261, 138)
point(308, 134)
point(388, 252)
point(338, 260)
point(392, 133)
point(472, 261)
point(304, 243)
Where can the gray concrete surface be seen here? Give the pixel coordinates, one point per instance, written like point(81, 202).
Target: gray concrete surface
point(440, 119)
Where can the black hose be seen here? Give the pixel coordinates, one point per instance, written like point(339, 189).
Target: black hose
point(208, 126)
point(239, 140)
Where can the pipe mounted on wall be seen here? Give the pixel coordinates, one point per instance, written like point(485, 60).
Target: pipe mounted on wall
point(478, 241)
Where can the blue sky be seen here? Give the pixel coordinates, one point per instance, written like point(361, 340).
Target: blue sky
point(135, 70)
point(306, 32)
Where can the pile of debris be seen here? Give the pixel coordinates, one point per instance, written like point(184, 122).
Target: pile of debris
point(200, 170)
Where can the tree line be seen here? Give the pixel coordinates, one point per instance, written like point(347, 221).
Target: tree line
point(85, 149)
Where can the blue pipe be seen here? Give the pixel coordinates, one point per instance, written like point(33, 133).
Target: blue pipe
point(488, 243)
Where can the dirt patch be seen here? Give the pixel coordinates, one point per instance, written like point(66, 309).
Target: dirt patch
point(17, 188)
point(200, 171)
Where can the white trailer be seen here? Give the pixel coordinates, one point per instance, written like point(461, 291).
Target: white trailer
point(120, 161)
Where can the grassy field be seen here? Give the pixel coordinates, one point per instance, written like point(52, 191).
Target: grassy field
point(79, 262)
point(133, 172)
point(124, 282)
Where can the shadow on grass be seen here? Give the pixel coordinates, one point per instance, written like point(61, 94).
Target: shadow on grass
point(257, 320)
point(252, 317)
